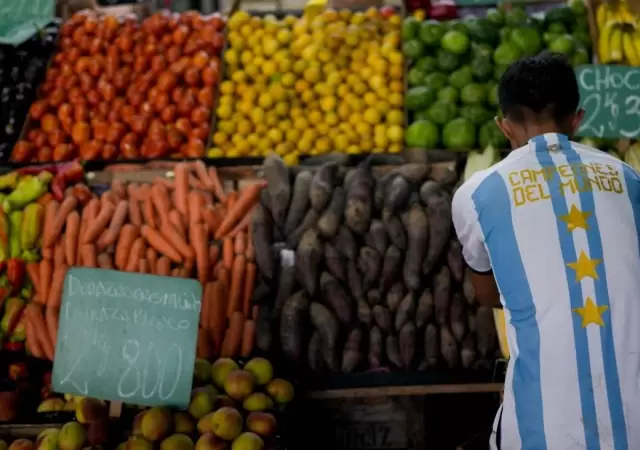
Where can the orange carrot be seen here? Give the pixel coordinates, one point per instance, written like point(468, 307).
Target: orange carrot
point(137, 250)
point(50, 214)
point(247, 290)
point(201, 172)
point(206, 304)
point(119, 189)
point(196, 205)
point(164, 266)
point(148, 214)
point(34, 315)
point(251, 249)
point(104, 261)
point(47, 253)
point(51, 317)
point(135, 215)
point(128, 234)
point(218, 316)
point(220, 272)
point(255, 310)
point(161, 202)
point(195, 183)
point(246, 200)
point(144, 191)
point(143, 266)
point(182, 188)
point(108, 197)
point(68, 205)
point(248, 337)
point(227, 253)
point(232, 198)
point(235, 289)
point(233, 336)
point(203, 349)
point(218, 190)
point(178, 242)
point(170, 185)
point(71, 237)
point(132, 191)
point(57, 283)
point(110, 235)
point(89, 214)
point(207, 197)
point(33, 345)
point(58, 252)
point(241, 226)
point(96, 227)
point(89, 256)
point(45, 199)
point(46, 270)
point(33, 270)
point(160, 243)
point(174, 199)
point(198, 239)
point(176, 272)
point(209, 217)
point(152, 259)
point(214, 253)
point(176, 220)
point(239, 244)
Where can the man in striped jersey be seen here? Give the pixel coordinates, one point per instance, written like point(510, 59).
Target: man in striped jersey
point(551, 235)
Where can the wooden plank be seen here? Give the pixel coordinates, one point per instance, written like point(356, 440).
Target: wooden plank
point(475, 388)
point(18, 431)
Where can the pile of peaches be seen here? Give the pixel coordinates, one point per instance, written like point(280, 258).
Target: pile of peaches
point(125, 88)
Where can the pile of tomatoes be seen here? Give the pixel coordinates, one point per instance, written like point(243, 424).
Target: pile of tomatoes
point(121, 88)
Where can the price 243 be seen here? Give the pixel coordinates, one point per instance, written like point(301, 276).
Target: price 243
point(606, 103)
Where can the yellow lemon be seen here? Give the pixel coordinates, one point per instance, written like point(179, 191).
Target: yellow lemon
point(343, 111)
point(220, 138)
point(225, 111)
point(396, 86)
point(312, 75)
point(231, 56)
point(261, 129)
point(288, 79)
point(331, 118)
point(269, 68)
point(285, 65)
point(291, 159)
point(310, 134)
point(360, 88)
point(353, 150)
point(284, 36)
point(215, 152)
point(355, 118)
point(227, 99)
point(395, 148)
point(285, 125)
point(249, 95)
point(366, 145)
point(295, 112)
point(328, 104)
point(308, 97)
point(381, 141)
point(372, 116)
point(305, 145)
point(270, 46)
point(228, 126)
point(239, 76)
point(293, 135)
point(343, 90)
point(245, 107)
point(253, 139)
point(324, 55)
point(315, 116)
point(265, 101)
point(277, 91)
point(396, 72)
point(323, 128)
point(363, 129)
point(282, 109)
point(300, 66)
point(246, 57)
point(271, 120)
point(302, 86)
point(244, 127)
point(300, 123)
point(251, 70)
point(382, 107)
point(370, 98)
point(323, 145)
point(395, 117)
point(275, 135)
point(341, 142)
point(227, 88)
point(257, 115)
point(395, 134)
point(376, 82)
point(395, 99)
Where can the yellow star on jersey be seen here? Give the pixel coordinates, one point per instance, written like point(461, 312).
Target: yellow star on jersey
point(585, 267)
point(576, 219)
point(591, 313)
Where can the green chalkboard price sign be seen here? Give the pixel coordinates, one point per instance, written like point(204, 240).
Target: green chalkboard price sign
point(21, 19)
point(127, 337)
point(610, 96)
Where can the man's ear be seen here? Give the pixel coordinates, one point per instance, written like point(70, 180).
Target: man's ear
point(577, 119)
point(504, 126)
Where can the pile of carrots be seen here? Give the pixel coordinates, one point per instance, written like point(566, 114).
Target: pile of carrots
point(187, 226)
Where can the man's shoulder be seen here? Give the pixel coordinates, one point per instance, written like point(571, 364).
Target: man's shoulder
point(594, 155)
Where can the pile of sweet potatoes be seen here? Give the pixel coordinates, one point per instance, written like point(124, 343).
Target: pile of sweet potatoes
point(360, 269)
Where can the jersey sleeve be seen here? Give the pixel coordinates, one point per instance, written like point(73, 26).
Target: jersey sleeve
point(467, 226)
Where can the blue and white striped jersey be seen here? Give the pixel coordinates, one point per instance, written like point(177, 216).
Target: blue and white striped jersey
point(558, 223)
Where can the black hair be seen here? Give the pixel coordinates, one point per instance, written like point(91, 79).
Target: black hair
point(538, 89)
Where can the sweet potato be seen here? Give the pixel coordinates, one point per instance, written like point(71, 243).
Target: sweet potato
point(468, 351)
point(292, 325)
point(392, 350)
point(374, 297)
point(413, 172)
point(276, 174)
point(365, 315)
point(424, 311)
point(336, 297)
point(448, 347)
point(265, 201)
point(309, 221)
point(322, 186)
point(262, 233)
point(299, 201)
point(485, 331)
point(286, 285)
point(391, 264)
point(380, 189)
point(382, 317)
point(264, 337)
point(395, 230)
point(444, 176)
point(327, 326)
point(354, 281)
point(441, 292)
point(376, 351)
point(458, 317)
point(316, 360)
point(455, 260)
point(395, 295)
point(352, 355)
point(406, 310)
point(330, 219)
point(428, 189)
point(439, 212)
point(334, 262)
point(345, 243)
point(471, 320)
point(397, 195)
point(431, 345)
point(359, 205)
point(417, 240)
point(377, 236)
point(467, 288)
point(308, 258)
point(407, 344)
point(369, 262)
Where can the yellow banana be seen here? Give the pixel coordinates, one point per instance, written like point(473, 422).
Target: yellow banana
point(629, 49)
point(635, 39)
point(602, 15)
point(615, 45)
point(604, 43)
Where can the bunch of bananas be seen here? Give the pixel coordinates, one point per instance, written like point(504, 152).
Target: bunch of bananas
point(619, 40)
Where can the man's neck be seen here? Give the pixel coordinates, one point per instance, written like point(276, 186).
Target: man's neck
point(533, 130)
